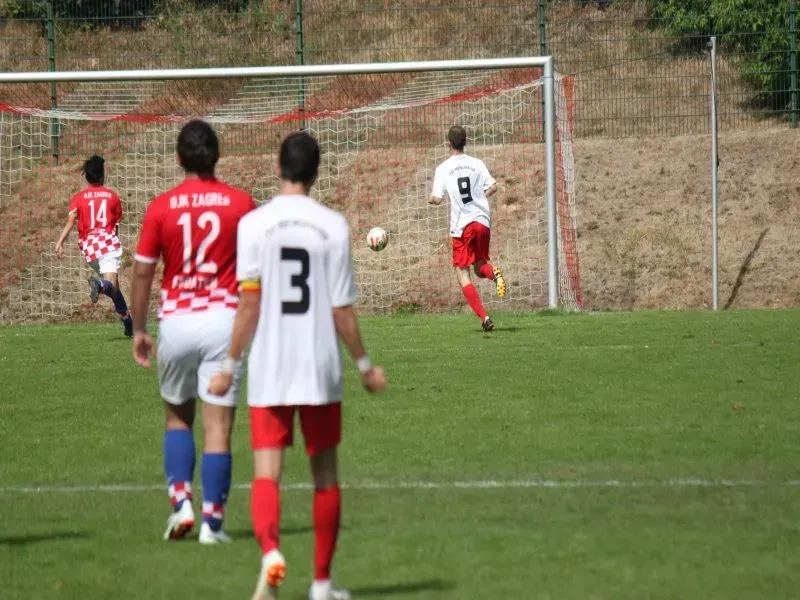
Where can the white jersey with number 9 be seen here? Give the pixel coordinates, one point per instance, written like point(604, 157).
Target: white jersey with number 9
point(465, 179)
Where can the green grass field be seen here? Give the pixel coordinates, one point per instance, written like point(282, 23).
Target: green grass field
point(569, 457)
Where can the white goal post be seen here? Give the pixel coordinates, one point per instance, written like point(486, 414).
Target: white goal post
point(381, 127)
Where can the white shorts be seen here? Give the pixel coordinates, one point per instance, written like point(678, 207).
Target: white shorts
point(190, 351)
point(108, 263)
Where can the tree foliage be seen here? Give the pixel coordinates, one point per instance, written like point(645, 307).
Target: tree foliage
point(754, 31)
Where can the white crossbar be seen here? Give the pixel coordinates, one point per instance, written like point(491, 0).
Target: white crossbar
point(282, 71)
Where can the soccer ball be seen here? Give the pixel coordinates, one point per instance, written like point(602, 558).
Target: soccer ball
point(377, 239)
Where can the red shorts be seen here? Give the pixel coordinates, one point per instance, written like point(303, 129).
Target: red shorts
point(473, 245)
point(273, 426)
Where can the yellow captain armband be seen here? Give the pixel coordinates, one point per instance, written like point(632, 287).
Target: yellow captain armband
point(250, 285)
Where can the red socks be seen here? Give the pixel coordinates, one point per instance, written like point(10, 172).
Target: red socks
point(327, 516)
point(265, 510)
point(486, 271)
point(474, 300)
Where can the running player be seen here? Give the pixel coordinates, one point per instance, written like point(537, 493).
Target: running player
point(192, 228)
point(298, 290)
point(469, 185)
point(98, 211)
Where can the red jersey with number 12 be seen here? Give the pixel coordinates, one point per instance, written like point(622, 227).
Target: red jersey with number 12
point(193, 228)
point(99, 211)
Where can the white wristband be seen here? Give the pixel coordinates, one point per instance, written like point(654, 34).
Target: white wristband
point(364, 364)
point(230, 365)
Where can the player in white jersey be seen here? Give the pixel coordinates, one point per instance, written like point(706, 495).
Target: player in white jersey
point(469, 185)
point(298, 289)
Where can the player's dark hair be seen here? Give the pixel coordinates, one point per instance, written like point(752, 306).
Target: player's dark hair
point(94, 169)
point(198, 148)
point(299, 158)
point(457, 136)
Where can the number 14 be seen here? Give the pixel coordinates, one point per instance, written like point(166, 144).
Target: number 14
point(98, 217)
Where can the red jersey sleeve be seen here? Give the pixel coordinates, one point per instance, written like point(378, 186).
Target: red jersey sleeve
point(116, 212)
point(150, 244)
point(73, 204)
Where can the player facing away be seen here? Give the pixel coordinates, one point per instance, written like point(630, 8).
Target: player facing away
point(192, 229)
point(298, 289)
point(97, 211)
point(469, 185)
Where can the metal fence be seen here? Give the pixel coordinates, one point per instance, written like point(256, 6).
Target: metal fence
point(641, 65)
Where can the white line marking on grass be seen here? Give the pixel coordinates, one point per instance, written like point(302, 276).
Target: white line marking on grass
point(626, 347)
point(427, 485)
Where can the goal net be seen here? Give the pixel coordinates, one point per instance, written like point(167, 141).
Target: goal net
point(381, 133)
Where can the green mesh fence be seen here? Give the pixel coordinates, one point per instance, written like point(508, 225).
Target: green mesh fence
point(641, 66)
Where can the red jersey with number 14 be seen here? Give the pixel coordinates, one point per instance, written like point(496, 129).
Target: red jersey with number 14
point(99, 211)
point(192, 227)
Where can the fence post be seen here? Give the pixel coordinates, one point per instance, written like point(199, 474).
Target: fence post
point(301, 60)
point(51, 66)
point(543, 42)
point(714, 178)
point(793, 60)
point(542, 28)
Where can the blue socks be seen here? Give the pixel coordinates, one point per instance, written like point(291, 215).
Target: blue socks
point(119, 304)
point(107, 289)
point(216, 476)
point(179, 459)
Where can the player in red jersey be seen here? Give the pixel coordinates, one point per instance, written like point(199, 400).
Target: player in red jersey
point(98, 211)
point(192, 228)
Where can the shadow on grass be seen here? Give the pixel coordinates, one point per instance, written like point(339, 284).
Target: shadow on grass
point(511, 329)
point(248, 533)
point(744, 268)
point(427, 585)
point(35, 538)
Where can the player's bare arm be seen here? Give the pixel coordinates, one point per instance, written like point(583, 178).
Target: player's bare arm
point(435, 200)
point(346, 323)
point(71, 219)
point(491, 190)
point(141, 286)
point(244, 328)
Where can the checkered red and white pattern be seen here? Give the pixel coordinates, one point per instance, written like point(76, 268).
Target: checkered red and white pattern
point(193, 229)
point(98, 243)
point(180, 491)
point(176, 302)
point(213, 511)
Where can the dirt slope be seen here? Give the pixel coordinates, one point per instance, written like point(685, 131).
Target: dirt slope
point(643, 218)
point(645, 221)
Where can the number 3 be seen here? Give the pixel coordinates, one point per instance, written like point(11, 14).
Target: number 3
point(300, 280)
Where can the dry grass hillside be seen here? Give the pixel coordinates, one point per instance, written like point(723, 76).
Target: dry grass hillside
point(645, 221)
point(642, 154)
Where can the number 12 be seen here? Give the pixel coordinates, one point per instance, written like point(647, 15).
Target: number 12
point(206, 219)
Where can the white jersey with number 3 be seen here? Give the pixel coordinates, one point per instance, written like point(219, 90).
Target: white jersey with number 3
point(465, 179)
point(299, 251)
